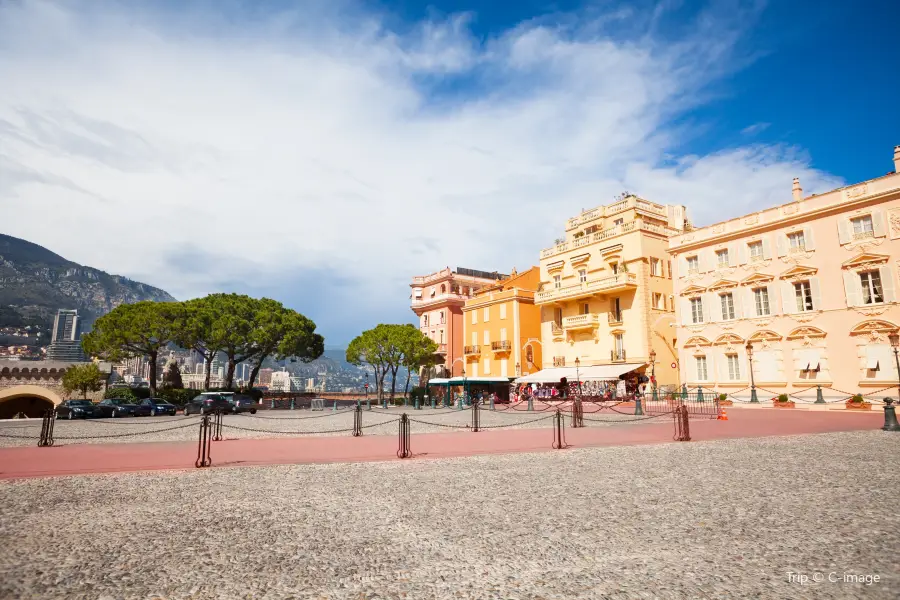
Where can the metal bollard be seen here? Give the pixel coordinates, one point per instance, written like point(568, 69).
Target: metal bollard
point(820, 399)
point(432, 402)
point(530, 403)
point(417, 403)
point(638, 409)
point(334, 408)
point(49, 420)
point(357, 420)
point(492, 402)
point(368, 404)
point(559, 431)
point(292, 404)
point(403, 447)
point(890, 416)
point(476, 416)
point(204, 458)
point(217, 425)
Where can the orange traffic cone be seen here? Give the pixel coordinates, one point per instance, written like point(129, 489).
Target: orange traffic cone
point(722, 415)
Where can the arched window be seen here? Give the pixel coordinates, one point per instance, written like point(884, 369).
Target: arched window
point(529, 354)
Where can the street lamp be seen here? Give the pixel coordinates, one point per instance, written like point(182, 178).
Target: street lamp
point(577, 407)
point(465, 395)
point(518, 369)
point(653, 374)
point(368, 406)
point(753, 398)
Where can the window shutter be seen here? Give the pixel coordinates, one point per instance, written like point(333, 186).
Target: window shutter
point(732, 255)
point(767, 251)
point(474, 338)
point(503, 335)
point(781, 244)
point(843, 231)
point(742, 254)
point(878, 223)
point(887, 284)
point(487, 338)
point(502, 311)
point(685, 307)
point(738, 312)
point(852, 289)
point(721, 366)
point(715, 307)
point(808, 238)
point(682, 265)
point(816, 293)
point(749, 304)
point(707, 305)
point(774, 303)
point(788, 301)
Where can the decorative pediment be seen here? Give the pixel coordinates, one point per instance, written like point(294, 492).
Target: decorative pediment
point(798, 272)
point(697, 341)
point(806, 332)
point(617, 332)
point(722, 284)
point(766, 335)
point(580, 259)
point(555, 266)
point(692, 290)
point(873, 325)
point(729, 339)
point(610, 251)
point(757, 278)
point(865, 259)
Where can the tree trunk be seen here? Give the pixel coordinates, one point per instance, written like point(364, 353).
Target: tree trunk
point(152, 356)
point(229, 377)
point(393, 382)
point(379, 381)
point(208, 371)
point(406, 389)
point(254, 372)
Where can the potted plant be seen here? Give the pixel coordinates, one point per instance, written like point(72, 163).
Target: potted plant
point(857, 402)
point(724, 401)
point(783, 401)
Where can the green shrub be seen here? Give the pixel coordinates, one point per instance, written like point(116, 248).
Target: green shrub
point(783, 398)
point(177, 396)
point(857, 398)
point(723, 397)
point(128, 393)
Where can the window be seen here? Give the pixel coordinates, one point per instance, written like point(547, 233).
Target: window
point(582, 275)
point(727, 306)
point(442, 336)
point(487, 366)
point(502, 311)
point(862, 227)
point(659, 301)
point(585, 309)
point(443, 318)
point(616, 308)
point(696, 310)
point(722, 258)
point(693, 264)
point(487, 314)
point(655, 265)
point(557, 281)
point(487, 338)
point(474, 338)
point(557, 316)
point(804, 296)
point(615, 268)
point(871, 287)
point(797, 241)
point(618, 222)
point(701, 367)
point(669, 270)
point(474, 316)
point(425, 323)
point(734, 367)
point(756, 251)
point(761, 299)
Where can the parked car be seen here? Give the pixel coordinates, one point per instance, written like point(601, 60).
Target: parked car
point(150, 407)
point(116, 407)
point(206, 403)
point(242, 404)
point(76, 409)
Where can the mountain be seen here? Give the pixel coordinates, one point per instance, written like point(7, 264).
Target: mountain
point(35, 283)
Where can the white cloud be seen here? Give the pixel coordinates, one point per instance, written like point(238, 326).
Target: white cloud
point(755, 128)
point(326, 142)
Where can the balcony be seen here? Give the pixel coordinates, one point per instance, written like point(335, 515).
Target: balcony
point(472, 350)
point(559, 361)
point(611, 209)
point(600, 236)
point(588, 321)
point(617, 355)
point(439, 299)
point(556, 329)
point(501, 346)
point(441, 349)
point(603, 285)
point(614, 318)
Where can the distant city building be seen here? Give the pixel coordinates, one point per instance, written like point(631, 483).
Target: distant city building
point(65, 344)
point(265, 376)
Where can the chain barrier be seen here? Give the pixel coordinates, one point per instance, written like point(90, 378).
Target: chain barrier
point(403, 446)
point(559, 431)
point(504, 425)
point(132, 423)
point(286, 432)
point(123, 435)
point(47, 423)
point(204, 446)
point(644, 418)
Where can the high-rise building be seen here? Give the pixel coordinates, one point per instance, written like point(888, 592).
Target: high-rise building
point(265, 376)
point(612, 263)
point(438, 299)
point(65, 345)
point(795, 296)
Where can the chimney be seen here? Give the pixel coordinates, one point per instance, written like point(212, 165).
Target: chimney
point(897, 159)
point(798, 191)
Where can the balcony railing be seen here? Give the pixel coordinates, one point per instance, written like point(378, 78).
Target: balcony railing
point(559, 361)
point(614, 318)
point(861, 235)
point(588, 288)
point(599, 236)
point(501, 346)
point(472, 350)
point(617, 355)
point(603, 211)
point(556, 328)
point(588, 321)
point(442, 349)
point(439, 298)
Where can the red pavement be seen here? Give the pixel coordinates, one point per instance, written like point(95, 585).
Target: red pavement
point(58, 460)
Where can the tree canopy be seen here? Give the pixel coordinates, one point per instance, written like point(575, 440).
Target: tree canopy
point(83, 378)
point(386, 348)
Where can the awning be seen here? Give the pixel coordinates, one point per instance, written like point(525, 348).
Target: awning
point(470, 380)
point(592, 373)
point(438, 381)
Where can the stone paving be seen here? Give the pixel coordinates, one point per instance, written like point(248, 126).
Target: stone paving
point(731, 518)
point(268, 424)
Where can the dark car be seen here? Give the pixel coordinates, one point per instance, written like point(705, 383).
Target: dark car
point(116, 407)
point(207, 403)
point(76, 409)
point(242, 404)
point(154, 406)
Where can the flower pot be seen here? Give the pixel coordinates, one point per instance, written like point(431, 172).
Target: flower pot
point(726, 403)
point(788, 404)
point(849, 405)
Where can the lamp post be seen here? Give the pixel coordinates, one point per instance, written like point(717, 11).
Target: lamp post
point(653, 374)
point(518, 369)
point(890, 413)
point(368, 406)
point(753, 398)
point(465, 389)
point(577, 407)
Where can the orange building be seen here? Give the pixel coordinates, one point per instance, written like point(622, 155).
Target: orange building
point(502, 328)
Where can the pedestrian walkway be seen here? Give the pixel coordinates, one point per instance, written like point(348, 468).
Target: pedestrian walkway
point(59, 460)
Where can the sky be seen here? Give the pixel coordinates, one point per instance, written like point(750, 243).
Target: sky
point(324, 152)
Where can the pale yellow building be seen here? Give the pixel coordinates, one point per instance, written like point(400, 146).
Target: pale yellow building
point(502, 328)
point(606, 288)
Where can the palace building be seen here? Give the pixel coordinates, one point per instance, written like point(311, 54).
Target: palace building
point(807, 290)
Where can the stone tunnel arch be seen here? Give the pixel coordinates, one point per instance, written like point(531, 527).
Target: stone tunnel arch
point(32, 400)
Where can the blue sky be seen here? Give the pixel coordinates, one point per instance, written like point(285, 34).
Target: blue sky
point(322, 153)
